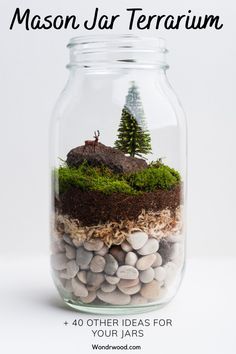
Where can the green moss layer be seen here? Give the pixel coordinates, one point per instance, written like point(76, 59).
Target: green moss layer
point(155, 176)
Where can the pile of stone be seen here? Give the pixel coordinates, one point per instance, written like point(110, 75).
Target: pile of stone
point(138, 271)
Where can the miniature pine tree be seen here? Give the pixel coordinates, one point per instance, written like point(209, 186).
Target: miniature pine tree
point(134, 104)
point(133, 137)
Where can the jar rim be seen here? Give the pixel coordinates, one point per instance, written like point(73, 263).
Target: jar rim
point(122, 50)
point(155, 42)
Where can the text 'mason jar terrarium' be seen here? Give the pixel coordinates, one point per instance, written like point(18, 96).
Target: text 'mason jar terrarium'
point(118, 172)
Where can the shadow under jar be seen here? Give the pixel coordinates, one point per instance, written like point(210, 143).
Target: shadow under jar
point(118, 160)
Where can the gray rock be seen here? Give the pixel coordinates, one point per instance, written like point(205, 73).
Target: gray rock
point(107, 288)
point(103, 251)
point(58, 246)
point(112, 279)
point(79, 289)
point(146, 276)
point(114, 298)
point(83, 257)
point(82, 276)
point(104, 155)
point(137, 299)
point(95, 244)
point(137, 239)
point(97, 264)
point(151, 290)
point(151, 246)
point(94, 280)
point(118, 254)
point(160, 273)
point(165, 250)
point(127, 272)
point(68, 240)
point(72, 268)
point(111, 264)
point(70, 252)
point(130, 290)
point(126, 246)
point(90, 298)
point(158, 261)
point(131, 258)
point(59, 261)
point(145, 262)
point(84, 267)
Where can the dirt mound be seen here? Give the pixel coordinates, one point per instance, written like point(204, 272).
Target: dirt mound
point(104, 155)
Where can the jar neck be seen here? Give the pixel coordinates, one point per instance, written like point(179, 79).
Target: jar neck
point(117, 52)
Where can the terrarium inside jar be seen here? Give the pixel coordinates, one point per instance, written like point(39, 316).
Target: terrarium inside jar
point(118, 152)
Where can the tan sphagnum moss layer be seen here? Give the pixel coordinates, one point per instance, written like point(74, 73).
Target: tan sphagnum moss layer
point(156, 224)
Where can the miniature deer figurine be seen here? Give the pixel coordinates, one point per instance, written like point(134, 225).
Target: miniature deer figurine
point(94, 142)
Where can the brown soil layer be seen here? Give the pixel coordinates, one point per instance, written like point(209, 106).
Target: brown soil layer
point(94, 207)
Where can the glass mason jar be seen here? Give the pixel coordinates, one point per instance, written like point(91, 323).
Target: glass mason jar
point(118, 164)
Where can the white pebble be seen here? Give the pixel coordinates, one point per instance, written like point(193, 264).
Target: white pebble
point(72, 268)
point(58, 246)
point(79, 288)
point(126, 246)
point(107, 288)
point(97, 264)
point(89, 298)
point(158, 260)
point(127, 272)
point(146, 276)
point(131, 258)
point(103, 251)
point(151, 290)
point(137, 239)
point(114, 298)
point(138, 300)
point(82, 276)
point(112, 279)
point(151, 246)
point(127, 283)
point(145, 262)
point(160, 273)
point(94, 244)
point(130, 290)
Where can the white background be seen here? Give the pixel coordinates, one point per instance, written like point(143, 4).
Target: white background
point(203, 73)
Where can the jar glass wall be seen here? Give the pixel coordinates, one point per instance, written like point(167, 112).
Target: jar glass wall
point(118, 159)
